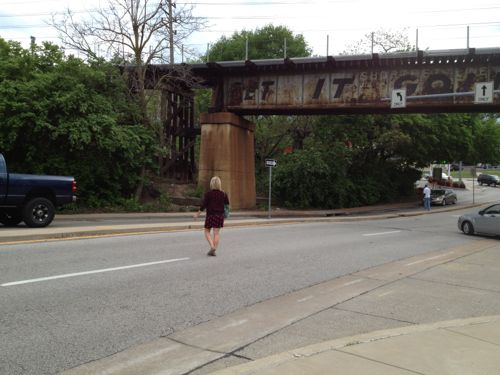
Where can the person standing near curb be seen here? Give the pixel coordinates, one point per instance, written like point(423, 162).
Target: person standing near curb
point(427, 198)
point(213, 201)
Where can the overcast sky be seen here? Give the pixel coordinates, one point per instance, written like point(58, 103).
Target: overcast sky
point(441, 24)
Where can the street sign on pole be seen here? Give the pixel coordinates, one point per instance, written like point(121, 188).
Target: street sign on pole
point(271, 163)
point(398, 98)
point(483, 92)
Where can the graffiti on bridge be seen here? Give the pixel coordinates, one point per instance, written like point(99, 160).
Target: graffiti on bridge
point(357, 87)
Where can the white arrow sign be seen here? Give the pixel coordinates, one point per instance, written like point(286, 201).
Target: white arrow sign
point(271, 163)
point(483, 92)
point(398, 98)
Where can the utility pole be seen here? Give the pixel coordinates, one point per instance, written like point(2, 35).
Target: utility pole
point(171, 30)
point(32, 44)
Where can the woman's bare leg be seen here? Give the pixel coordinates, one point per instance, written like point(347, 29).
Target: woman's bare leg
point(216, 237)
point(209, 238)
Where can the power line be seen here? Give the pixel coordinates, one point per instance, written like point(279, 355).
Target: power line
point(450, 25)
point(263, 2)
point(91, 10)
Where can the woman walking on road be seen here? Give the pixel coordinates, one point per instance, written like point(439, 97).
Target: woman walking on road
point(213, 201)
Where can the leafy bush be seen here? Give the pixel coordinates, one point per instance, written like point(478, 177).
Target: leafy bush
point(63, 116)
point(458, 184)
point(301, 180)
point(198, 192)
point(313, 178)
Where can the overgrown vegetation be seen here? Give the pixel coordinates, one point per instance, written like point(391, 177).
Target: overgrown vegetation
point(62, 115)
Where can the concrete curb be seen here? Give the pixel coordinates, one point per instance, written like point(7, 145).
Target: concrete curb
point(299, 354)
point(13, 235)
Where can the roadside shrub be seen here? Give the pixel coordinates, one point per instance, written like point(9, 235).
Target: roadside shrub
point(321, 179)
point(64, 116)
point(164, 202)
point(303, 180)
point(198, 192)
point(458, 184)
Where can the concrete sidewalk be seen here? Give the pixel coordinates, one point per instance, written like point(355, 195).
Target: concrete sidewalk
point(466, 346)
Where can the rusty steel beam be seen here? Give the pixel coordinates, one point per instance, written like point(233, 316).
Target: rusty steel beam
point(354, 84)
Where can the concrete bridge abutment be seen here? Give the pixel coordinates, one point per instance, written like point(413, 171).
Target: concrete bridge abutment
point(227, 151)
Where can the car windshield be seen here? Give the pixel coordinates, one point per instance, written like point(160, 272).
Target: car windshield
point(438, 192)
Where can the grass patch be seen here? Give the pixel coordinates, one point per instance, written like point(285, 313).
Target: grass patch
point(466, 173)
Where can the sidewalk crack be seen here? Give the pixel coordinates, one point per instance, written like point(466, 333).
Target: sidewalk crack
point(452, 284)
point(377, 361)
point(451, 329)
point(376, 316)
point(232, 353)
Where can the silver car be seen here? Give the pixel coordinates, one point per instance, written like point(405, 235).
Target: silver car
point(443, 197)
point(486, 221)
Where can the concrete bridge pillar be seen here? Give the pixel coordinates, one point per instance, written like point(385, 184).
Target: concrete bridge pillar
point(227, 151)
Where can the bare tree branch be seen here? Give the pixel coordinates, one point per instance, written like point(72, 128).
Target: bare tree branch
point(138, 29)
point(140, 33)
point(383, 40)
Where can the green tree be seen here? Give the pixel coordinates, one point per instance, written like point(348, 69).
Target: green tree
point(368, 159)
point(486, 140)
point(267, 42)
point(63, 116)
point(140, 32)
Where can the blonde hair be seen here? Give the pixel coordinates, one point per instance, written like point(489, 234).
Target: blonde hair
point(215, 183)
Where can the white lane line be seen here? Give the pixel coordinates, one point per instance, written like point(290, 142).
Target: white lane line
point(381, 233)
point(427, 259)
point(352, 282)
point(233, 324)
point(385, 294)
point(91, 272)
point(305, 299)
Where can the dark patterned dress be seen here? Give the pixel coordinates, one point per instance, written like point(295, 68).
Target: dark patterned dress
point(213, 202)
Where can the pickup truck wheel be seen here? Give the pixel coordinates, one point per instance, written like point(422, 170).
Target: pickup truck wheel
point(10, 220)
point(38, 212)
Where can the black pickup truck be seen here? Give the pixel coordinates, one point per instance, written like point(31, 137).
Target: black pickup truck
point(32, 198)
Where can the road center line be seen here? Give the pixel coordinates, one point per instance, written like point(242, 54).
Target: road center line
point(381, 233)
point(91, 272)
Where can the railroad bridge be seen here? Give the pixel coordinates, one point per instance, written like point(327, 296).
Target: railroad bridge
point(432, 81)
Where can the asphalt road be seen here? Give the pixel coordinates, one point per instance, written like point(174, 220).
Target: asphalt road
point(69, 302)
